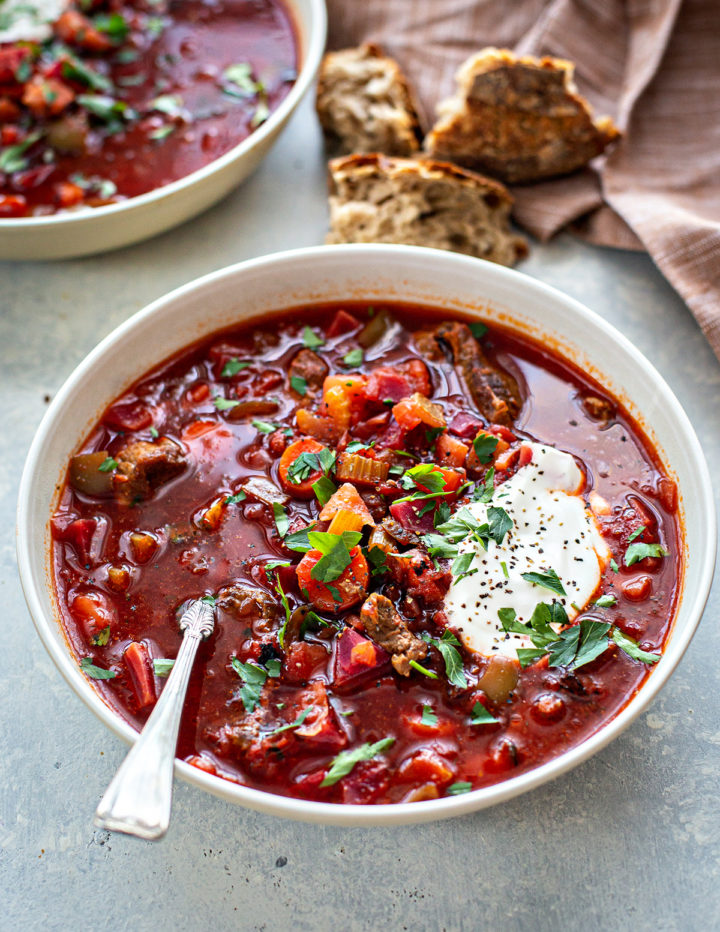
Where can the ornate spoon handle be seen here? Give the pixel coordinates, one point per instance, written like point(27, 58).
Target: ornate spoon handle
point(139, 797)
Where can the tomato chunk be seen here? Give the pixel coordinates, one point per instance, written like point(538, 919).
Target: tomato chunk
point(137, 661)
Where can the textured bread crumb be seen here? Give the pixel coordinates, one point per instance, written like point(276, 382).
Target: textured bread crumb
point(377, 199)
point(519, 119)
point(364, 103)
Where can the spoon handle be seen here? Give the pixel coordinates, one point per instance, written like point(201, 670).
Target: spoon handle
point(139, 797)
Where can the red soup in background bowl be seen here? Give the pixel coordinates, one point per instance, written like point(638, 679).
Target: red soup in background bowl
point(116, 106)
point(448, 563)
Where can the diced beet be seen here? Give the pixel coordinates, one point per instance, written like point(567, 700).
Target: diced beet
point(356, 659)
point(79, 535)
point(367, 781)
point(367, 429)
point(342, 322)
point(408, 514)
point(465, 425)
point(129, 415)
point(392, 439)
point(385, 383)
point(302, 660)
point(137, 661)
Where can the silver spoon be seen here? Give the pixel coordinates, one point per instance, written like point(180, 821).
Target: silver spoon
point(139, 797)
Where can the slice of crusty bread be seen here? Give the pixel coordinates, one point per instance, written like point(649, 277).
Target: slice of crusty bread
point(376, 199)
point(519, 119)
point(364, 103)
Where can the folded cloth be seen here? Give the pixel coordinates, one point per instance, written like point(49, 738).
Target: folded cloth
point(652, 65)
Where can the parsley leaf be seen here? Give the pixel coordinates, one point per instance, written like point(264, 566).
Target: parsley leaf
point(484, 446)
point(447, 645)
point(232, 367)
point(299, 384)
point(308, 463)
point(593, 641)
point(343, 764)
point(108, 465)
point(95, 673)
point(484, 493)
point(298, 540)
point(499, 523)
point(424, 670)
point(336, 553)
point(549, 580)
point(632, 648)
point(101, 638)
point(286, 606)
point(265, 427)
point(324, 489)
point(428, 716)
point(481, 716)
point(636, 533)
point(456, 789)
point(311, 339)
point(606, 601)
point(461, 566)
point(162, 666)
point(235, 499)
point(353, 358)
point(253, 679)
point(477, 329)
point(282, 522)
point(638, 551)
point(224, 404)
point(296, 724)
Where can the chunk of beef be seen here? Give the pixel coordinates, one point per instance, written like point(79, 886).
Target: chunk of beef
point(494, 391)
point(310, 367)
point(401, 534)
point(250, 605)
point(385, 626)
point(600, 409)
point(142, 467)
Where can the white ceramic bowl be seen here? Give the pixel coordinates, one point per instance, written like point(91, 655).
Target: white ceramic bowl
point(372, 273)
point(82, 233)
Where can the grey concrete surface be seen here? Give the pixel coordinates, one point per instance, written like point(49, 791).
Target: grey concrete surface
point(630, 840)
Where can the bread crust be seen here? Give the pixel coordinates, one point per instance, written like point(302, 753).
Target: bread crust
point(424, 202)
point(365, 104)
point(520, 119)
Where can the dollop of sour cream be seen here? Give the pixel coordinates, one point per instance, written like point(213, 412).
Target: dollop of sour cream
point(552, 529)
point(29, 20)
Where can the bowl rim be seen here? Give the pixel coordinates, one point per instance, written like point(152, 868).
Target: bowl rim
point(311, 46)
point(396, 813)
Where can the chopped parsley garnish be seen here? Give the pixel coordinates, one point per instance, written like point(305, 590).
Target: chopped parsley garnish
point(162, 666)
point(262, 112)
point(298, 540)
point(477, 329)
point(240, 75)
point(12, 157)
point(636, 533)
point(101, 638)
point(335, 550)
point(424, 670)
point(456, 789)
point(253, 679)
point(265, 427)
point(235, 499)
point(428, 716)
point(282, 522)
point(355, 445)
point(286, 606)
point(461, 566)
point(549, 580)
point(95, 673)
point(324, 489)
point(481, 716)
point(308, 463)
point(639, 551)
point(447, 645)
point(632, 648)
point(162, 132)
point(112, 24)
point(232, 367)
point(311, 340)
point(613, 566)
point(345, 761)
point(224, 404)
point(484, 446)
point(108, 465)
point(298, 384)
point(606, 601)
point(484, 492)
point(75, 70)
point(296, 724)
point(353, 358)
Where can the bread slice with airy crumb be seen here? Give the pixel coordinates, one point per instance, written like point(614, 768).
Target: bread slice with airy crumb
point(364, 103)
point(378, 199)
point(519, 119)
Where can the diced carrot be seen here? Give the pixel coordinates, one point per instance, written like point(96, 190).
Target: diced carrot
point(347, 498)
point(93, 613)
point(364, 653)
point(416, 410)
point(450, 451)
point(346, 520)
point(77, 29)
point(526, 455)
point(300, 488)
point(47, 96)
point(350, 587)
point(137, 661)
point(118, 578)
point(68, 194)
point(212, 516)
point(143, 546)
point(344, 396)
point(426, 766)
